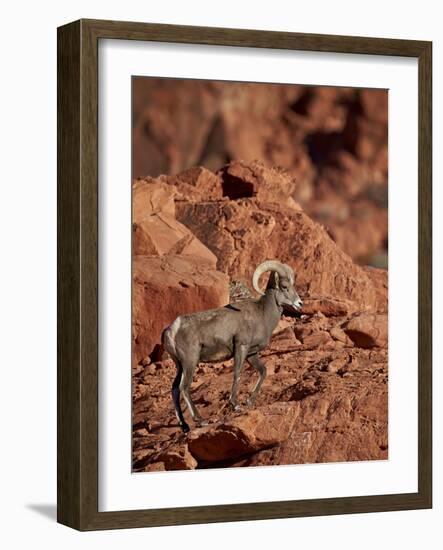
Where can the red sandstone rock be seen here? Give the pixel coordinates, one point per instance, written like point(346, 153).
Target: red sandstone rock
point(151, 198)
point(194, 185)
point(246, 232)
point(197, 183)
point(177, 458)
point(336, 386)
point(242, 180)
point(379, 278)
point(338, 397)
point(366, 128)
point(165, 287)
point(332, 140)
point(318, 340)
point(160, 234)
point(359, 230)
point(336, 364)
point(155, 467)
point(368, 330)
point(253, 125)
point(155, 229)
point(172, 120)
point(328, 306)
point(340, 336)
point(142, 457)
point(244, 434)
point(340, 413)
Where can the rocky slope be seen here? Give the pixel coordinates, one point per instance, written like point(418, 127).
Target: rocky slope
point(332, 140)
point(197, 238)
point(324, 400)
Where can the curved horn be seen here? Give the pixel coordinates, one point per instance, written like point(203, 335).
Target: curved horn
point(271, 265)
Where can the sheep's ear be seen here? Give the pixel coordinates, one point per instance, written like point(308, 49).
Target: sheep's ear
point(273, 280)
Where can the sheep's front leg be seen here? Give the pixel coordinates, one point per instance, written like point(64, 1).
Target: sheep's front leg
point(239, 358)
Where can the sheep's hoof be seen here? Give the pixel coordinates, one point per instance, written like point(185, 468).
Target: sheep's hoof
point(235, 406)
point(250, 402)
point(185, 428)
point(202, 422)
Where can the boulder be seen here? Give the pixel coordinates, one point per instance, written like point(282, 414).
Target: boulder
point(142, 457)
point(318, 340)
point(195, 184)
point(340, 335)
point(245, 434)
point(192, 185)
point(150, 198)
point(246, 232)
point(368, 330)
point(338, 363)
point(166, 287)
point(155, 231)
point(243, 180)
point(329, 307)
point(177, 457)
point(155, 467)
point(161, 234)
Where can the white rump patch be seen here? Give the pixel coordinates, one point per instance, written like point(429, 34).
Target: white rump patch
point(170, 335)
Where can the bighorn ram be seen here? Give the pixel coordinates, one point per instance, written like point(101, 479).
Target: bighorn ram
point(240, 331)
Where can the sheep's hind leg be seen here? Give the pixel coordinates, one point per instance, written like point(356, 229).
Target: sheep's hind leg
point(176, 397)
point(258, 364)
point(185, 385)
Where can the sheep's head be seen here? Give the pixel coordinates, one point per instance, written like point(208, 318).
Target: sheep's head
point(282, 281)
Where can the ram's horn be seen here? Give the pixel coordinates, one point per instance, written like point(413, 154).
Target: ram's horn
point(271, 265)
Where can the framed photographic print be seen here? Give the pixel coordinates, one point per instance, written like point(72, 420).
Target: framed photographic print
point(244, 275)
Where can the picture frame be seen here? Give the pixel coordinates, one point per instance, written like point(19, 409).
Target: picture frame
point(78, 244)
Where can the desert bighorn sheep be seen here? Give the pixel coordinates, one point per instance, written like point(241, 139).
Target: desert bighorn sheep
point(237, 330)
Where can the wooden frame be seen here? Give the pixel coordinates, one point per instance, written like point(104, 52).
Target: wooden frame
point(78, 285)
